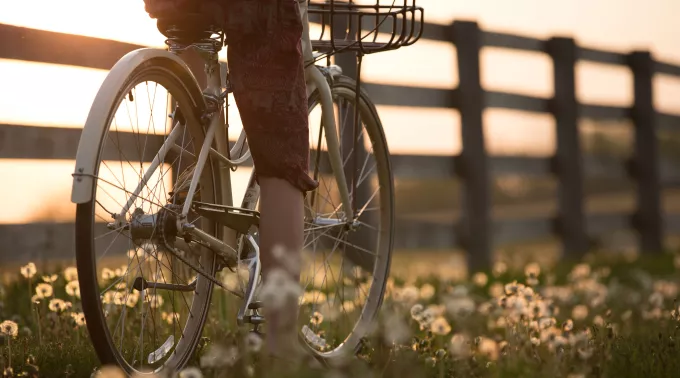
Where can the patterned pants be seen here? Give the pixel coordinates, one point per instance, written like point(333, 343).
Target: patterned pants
point(267, 74)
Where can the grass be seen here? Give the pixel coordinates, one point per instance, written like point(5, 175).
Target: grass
point(603, 317)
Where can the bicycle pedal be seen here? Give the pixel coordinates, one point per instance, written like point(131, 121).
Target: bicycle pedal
point(254, 319)
point(255, 305)
point(236, 218)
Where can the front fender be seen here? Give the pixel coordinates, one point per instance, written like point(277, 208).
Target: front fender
point(104, 106)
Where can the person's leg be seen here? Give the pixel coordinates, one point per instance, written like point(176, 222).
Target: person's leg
point(267, 73)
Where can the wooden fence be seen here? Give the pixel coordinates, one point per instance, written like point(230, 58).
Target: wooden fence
point(476, 231)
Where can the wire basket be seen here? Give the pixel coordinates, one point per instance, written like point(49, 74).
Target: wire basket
point(385, 25)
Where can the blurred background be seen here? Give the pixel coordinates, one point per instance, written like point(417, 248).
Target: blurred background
point(36, 192)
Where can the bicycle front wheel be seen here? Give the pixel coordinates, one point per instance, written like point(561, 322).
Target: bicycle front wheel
point(143, 297)
point(347, 261)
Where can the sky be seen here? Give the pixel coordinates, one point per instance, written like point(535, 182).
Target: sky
point(618, 25)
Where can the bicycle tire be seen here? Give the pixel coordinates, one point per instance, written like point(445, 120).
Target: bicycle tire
point(185, 91)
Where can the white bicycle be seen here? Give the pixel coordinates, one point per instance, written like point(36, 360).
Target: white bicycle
point(155, 221)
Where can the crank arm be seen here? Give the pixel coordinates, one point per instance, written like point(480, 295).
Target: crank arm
point(142, 284)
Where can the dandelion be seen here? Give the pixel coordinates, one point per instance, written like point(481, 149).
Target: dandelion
point(154, 301)
point(132, 299)
point(426, 292)
point(44, 290)
point(579, 312)
point(316, 318)
point(58, 305)
point(348, 306)
point(73, 289)
point(499, 268)
point(459, 346)
point(170, 317)
point(71, 274)
point(50, 279)
point(9, 328)
point(409, 294)
point(488, 348)
point(416, 311)
point(496, 290)
point(535, 341)
point(314, 297)
point(78, 318)
point(253, 342)
point(480, 279)
point(512, 288)
point(108, 274)
point(440, 326)
point(29, 270)
point(532, 270)
point(568, 325)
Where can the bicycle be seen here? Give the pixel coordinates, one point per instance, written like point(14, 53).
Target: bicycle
point(170, 243)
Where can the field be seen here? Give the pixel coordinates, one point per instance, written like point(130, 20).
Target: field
point(606, 316)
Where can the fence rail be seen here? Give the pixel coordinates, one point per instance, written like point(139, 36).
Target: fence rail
point(476, 230)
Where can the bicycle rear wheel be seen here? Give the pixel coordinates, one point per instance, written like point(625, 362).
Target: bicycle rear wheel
point(144, 301)
point(346, 261)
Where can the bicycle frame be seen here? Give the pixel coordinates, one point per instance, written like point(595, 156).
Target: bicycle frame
point(217, 133)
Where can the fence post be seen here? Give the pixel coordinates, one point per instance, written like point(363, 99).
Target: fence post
point(568, 161)
point(647, 219)
point(476, 218)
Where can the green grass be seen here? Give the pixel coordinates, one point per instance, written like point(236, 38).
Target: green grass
point(630, 329)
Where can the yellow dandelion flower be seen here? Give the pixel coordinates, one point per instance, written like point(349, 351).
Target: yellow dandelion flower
point(71, 274)
point(73, 289)
point(57, 305)
point(108, 274)
point(440, 326)
point(9, 328)
point(29, 270)
point(316, 318)
point(50, 279)
point(44, 290)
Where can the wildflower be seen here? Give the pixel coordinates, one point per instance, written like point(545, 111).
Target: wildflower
point(73, 289)
point(579, 271)
point(440, 326)
point(71, 274)
point(58, 305)
point(579, 312)
point(416, 311)
point(253, 342)
point(426, 292)
point(132, 253)
point(511, 288)
point(459, 346)
point(532, 270)
point(132, 299)
point(36, 299)
point(9, 328)
point(568, 325)
point(535, 341)
point(545, 323)
point(409, 294)
point(28, 270)
point(154, 301)
point(44, 290)
point(488, 348)
point(598, 321)
point(499, 268)
point(50, 279)
point(480, 279)
point(170, 317)
point(496, 290)
point(316, 318)
point(191, 372)
point(108, 274)
point(78, 318)
point(120, 272)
